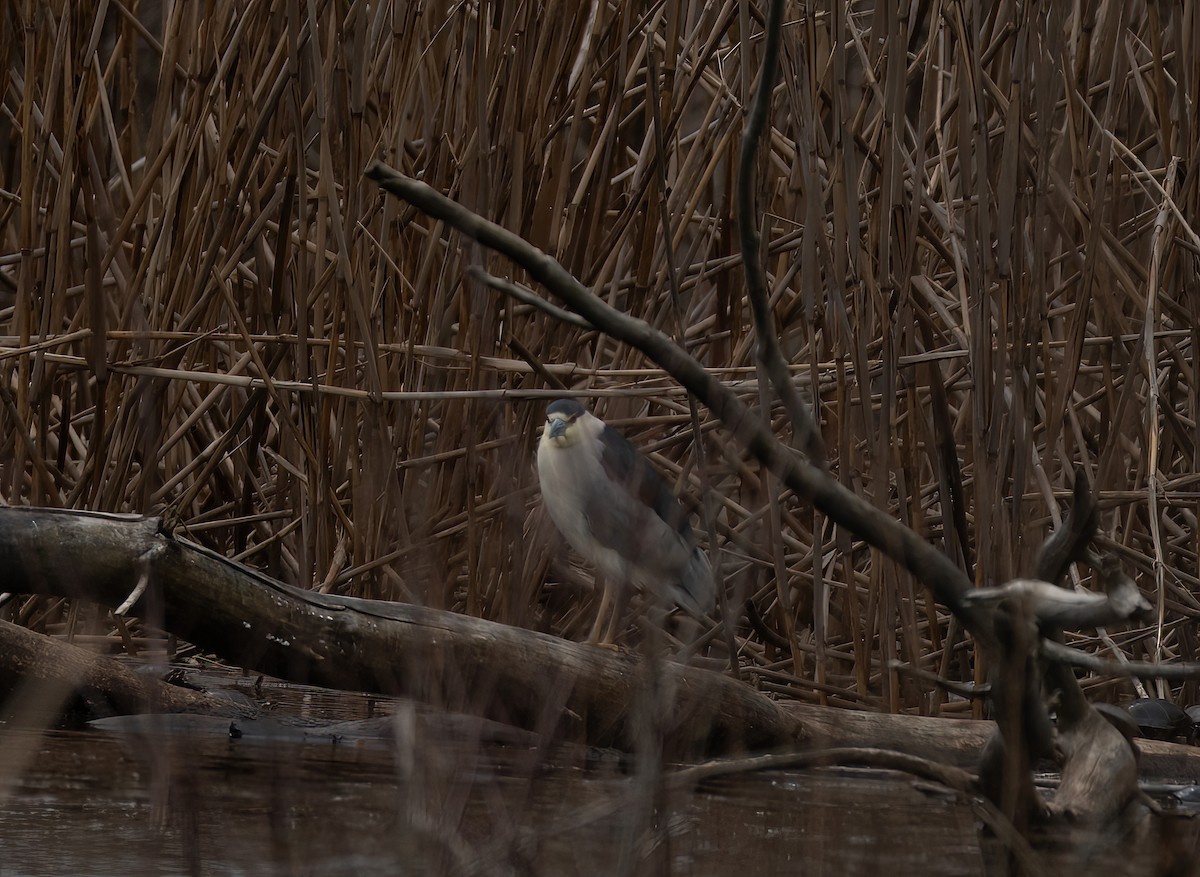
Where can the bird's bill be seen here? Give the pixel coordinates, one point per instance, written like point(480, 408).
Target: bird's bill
point(558, 427)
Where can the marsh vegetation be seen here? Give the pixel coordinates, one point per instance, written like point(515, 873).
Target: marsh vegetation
point(977, 249)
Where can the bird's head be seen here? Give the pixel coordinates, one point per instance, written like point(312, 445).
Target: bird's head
point(562, 417)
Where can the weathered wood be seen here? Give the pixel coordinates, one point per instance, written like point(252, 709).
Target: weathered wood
point(42, 678)
point(1099, 773)
point(952, 741)
point(444, 659)
point(464, 664)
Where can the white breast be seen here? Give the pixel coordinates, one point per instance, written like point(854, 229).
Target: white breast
point(563, 473)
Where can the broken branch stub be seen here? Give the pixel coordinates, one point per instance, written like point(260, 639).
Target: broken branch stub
point(1049, 605)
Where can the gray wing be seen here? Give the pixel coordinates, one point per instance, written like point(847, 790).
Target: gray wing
point(633, 497)
point(635, 513)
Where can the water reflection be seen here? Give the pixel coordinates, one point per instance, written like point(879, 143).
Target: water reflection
point(436, 797)
point(89, 803)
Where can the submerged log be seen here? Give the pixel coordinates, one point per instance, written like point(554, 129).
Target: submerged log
point(463, 664)
point(42, 679)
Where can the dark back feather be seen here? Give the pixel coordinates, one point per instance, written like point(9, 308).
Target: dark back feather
point(627, 466)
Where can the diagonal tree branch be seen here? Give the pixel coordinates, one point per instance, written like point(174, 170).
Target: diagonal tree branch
point(873, 525)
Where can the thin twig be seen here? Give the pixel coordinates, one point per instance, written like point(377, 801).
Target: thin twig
point(1063, 654)
point(807, 434)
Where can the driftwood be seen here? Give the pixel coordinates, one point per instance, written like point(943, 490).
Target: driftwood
point(1099, 775)
point(464, 664)
point(1099, 767)
point(45, 679)
point(460, 663)
point(437, 657)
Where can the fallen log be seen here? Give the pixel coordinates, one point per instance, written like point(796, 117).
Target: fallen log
point(40, 674)
point(516, 676)
point(461, 664)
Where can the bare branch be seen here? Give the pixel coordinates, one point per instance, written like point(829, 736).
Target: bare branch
point(1062, 654)
point(1051, 606)
point(526, 296)
point(947, 582)
point(808, 436)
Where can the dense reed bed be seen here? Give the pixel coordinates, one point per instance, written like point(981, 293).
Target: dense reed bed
point(979, 234)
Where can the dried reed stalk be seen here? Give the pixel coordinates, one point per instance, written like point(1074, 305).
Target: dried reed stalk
point(979, 258)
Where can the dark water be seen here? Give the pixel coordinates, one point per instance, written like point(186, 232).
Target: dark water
point(434, 802)
point(87, 804)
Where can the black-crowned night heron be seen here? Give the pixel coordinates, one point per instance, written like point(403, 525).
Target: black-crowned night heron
point(615, 510)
